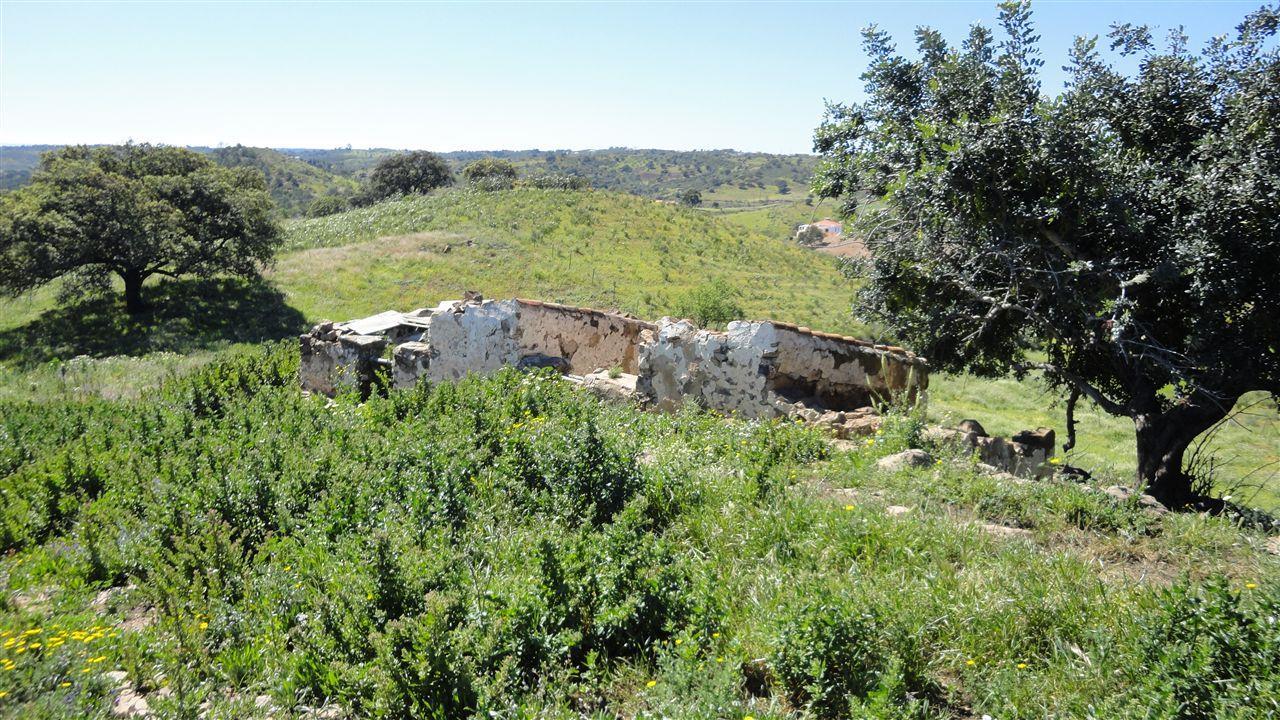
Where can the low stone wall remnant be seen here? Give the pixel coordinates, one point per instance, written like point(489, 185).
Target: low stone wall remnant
point(754, 369)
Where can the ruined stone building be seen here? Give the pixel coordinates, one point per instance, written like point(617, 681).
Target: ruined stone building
point(754, 369)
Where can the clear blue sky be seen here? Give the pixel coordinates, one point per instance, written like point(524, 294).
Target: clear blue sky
point(452, 76)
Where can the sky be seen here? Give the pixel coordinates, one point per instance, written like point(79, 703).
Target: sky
point(480, 76)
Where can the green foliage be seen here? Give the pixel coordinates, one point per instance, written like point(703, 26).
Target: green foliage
point(711, 305)
point(297, 187)
point(133, 211)
point(1207, 653)
point(556, 181)
point(1010, 231)
point(509, 545)
point(326, 205)
point(491, 174)
point(690, 197)
point(832, 658)
point(413, 173)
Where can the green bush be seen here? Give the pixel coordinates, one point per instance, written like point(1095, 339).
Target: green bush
point(326, 205)
point(712, 305)
point(828, 656)
point(556, 181)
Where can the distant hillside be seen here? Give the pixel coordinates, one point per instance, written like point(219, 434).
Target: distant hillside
point(725, 178)
point(293, 183)
point(17, 162)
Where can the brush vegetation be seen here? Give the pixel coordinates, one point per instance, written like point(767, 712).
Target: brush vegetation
point(511, 547)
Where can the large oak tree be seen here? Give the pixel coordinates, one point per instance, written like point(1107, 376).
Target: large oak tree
point(133, 211)
point(1121, 236)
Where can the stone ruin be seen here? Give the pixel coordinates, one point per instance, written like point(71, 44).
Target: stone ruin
point(754, 369)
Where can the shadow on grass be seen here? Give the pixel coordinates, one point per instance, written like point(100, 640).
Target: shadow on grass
point(183, 316)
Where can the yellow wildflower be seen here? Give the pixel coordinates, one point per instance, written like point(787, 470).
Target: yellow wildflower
point(1022, 666)
point(848, 507)
point(1250, 585)
point(204, 626)
point(970, 662)
point(651, 683)
point(98, 659)
point(64, 684)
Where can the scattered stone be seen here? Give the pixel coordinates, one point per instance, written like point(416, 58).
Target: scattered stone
point(1123, 494)
point(1041, 438)
point(972, 426)
point(913, 458)
point(896, 510)
point(1028, 459)
point(1273, 545)
point(621, 388)
point(1006, 531)
point(130, 704)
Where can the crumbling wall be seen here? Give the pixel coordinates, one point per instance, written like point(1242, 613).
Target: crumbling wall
point(833, 372)
point(754, 369)
point(586, 339)
point(769, 369)
point(332, 360)
point(472, 337)
point(722, 371)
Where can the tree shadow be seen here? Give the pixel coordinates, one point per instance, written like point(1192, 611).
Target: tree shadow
point(183, 316)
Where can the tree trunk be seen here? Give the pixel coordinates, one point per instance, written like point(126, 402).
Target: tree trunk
point(1163, 439)
point(133, 292)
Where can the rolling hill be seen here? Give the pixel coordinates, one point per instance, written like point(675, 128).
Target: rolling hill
point(594, 248)
point(181, 526)
point(292, 182)
point(725, 178)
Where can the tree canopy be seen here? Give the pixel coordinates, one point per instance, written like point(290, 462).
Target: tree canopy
point(133, 211)
point(1121, 237)
point(412, 173)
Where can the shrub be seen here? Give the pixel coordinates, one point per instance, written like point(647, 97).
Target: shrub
point(556, 181)
point(828, 655)
point(491, 174)
point(712, 305)
point(326, 205)
point(422, 674)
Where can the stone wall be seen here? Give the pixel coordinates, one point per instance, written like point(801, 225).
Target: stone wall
point(587, 339)
point(754, 369)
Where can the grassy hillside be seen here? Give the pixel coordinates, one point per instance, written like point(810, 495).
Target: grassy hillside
point(510, 547)
point(292, 182)
point(590, 248)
